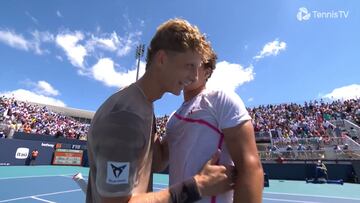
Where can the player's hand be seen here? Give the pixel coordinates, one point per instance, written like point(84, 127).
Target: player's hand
point(213, 179)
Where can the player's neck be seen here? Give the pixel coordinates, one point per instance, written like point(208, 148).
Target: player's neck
point(189, 94)
point(151, 90)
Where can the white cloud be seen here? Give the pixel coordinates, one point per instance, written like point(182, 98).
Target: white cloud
point(271, 49)
point(344, 93)
point(41, 92)
point(40, 37)
point(105, 72)
point(114, 43)
point(78, 45)
point(109, 43)
point(125, 47)
point(14, 40)
point(45, 88)
point(41, 87)
point(77, 52)
point(251, 99)
point(229, 76)
point(234, 74)
point(127, 42)
point(26, 95)
point(17, 41)
point(74, 51)
point(59, 14)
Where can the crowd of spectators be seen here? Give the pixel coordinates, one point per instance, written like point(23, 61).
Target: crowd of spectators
point(161, 125)
point(18, 116)
point(290, 122)
point(286, 122)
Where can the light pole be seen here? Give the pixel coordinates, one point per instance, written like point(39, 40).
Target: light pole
point(139, 53)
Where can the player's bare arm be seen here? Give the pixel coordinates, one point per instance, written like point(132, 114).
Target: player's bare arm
point(240, 141)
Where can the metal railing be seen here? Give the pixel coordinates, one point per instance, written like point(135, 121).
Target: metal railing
point(311, 154)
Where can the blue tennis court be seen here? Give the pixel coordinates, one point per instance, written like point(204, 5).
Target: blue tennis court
point(54, 184)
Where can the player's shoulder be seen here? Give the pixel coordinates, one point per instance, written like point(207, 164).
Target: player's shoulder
point(222, 95)
point(120, 127)
point(122, 118)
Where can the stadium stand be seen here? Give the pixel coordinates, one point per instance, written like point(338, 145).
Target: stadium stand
point(19, 116)
point(290, 137)
point(316, 125)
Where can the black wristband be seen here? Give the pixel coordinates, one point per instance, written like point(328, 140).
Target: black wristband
point(185, 192)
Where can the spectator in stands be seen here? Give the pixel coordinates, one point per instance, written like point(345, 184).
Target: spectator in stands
point(289, 151)
point(337, 131)
point(309, 148)
point(280, 160)
point(289, 148)
point(274, 151)
point(356, 139)
point(337, 148)
point(300, 150)
point(309, 151)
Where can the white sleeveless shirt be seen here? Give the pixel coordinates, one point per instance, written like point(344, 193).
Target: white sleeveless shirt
point(194, 134)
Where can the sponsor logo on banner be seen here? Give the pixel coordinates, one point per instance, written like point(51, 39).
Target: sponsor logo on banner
point(22, 153)
point(75, 146)
point(117, 172)
point(47, 145)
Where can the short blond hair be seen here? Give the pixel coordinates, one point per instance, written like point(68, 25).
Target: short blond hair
point(178, 35)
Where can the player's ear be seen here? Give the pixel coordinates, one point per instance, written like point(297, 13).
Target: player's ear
point(207, 73)
point(160, 57)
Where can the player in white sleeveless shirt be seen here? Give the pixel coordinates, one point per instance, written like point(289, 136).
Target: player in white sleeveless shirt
point(209, 120)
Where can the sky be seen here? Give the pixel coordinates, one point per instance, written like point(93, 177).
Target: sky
point(78, 53)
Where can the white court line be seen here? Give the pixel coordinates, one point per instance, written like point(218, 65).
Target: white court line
point(21, 177)
point(304, 195)
point(40, 195)
point(161, 184)
point(67, 176)
point(43, 200)
point(288, 200)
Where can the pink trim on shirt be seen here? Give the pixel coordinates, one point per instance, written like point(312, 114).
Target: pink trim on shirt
point(203, 122)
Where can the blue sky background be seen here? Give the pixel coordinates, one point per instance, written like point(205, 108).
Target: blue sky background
point(78, 53)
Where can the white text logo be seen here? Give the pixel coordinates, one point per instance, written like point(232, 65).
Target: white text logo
point(22, 153)
point(47, 145)
point(304, 14)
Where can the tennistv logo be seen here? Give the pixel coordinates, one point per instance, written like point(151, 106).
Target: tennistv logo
point(305, 14)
